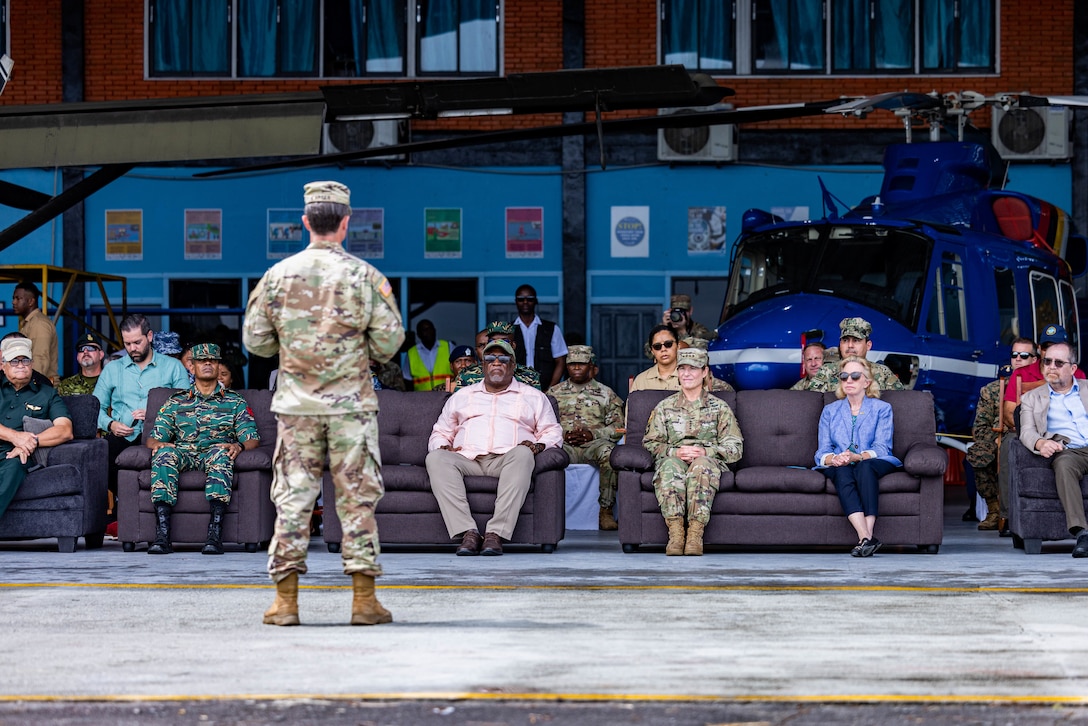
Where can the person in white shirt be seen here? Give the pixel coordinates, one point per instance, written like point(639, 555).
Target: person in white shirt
point(539, 343)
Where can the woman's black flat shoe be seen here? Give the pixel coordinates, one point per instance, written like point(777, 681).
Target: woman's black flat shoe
point(870, 547)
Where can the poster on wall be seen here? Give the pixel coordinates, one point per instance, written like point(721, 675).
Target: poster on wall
point(630, 231)
point(706, 230)
point(286, 235)
point(124, 234)
point(203, 234)
point(366, 234)
point(443, 235)
point(791, 214)
point(524, 232)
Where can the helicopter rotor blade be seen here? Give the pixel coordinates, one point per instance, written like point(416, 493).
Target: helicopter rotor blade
point(886, 101)
point(1032, 100)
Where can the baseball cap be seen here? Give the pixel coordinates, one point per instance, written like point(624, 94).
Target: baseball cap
point(855, 328)
point(1053, 334)
point(501, 344)
point(13, 348)
point(326, 191)
point(462, 351)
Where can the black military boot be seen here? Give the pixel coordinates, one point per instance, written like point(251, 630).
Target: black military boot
point(161, 545)
point(214, 544)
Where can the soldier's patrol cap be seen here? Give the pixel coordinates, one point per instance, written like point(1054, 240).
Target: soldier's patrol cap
point(462, 351)
point(499, 327)
point(855, 328)
point(326, 191)
point(206, 351)
point(13, 348)
point(682, 302)
point(580, 354)
point(692, 357)
point(1053, 334)
point(502, 345)
point(88, 339)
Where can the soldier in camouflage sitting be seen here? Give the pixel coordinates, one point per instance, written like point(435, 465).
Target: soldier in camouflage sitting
point(692, 436)
point(591, 415)
point(496, 330)
point(853, 341)
point(203, 427)
point(89, 356)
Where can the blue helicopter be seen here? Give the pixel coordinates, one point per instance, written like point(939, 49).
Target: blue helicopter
point(946, 266)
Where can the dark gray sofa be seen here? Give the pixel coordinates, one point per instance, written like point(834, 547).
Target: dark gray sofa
point(772, 496)
point(409, 514)
point(251, 516)
point(1035, 512)
point(68, 498)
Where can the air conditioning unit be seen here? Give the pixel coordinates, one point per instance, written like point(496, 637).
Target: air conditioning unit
point(340, 136)
point(1038, 132)
point(697, 143)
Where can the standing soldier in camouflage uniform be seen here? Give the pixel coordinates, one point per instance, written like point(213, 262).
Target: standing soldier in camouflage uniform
point(327, 313)
point(853, 341)
point(203, 427)
point(89, 356)
point(678, 317)
point(591, 415)
point(982, 455)
point(692, 436)
point(496, 330)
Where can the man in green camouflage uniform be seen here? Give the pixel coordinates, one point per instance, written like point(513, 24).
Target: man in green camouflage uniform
point(853, 341)
point(89, 356)
point(692, 437)
point(327, 313)
point(204, 427)
point(495, 330)
point(591, 415)
point(687, 330)
point(986, 431)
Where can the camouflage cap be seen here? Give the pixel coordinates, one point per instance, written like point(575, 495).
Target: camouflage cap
point(88, 339)
point(500, 344)
point(206, 351)
point(13, 348)
point(580, 354)
point(326, 191)
point(692, 357)
point(499, 327)
point(855, 328)
point(683, 302)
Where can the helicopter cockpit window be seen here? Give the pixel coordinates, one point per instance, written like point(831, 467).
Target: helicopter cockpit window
point(1069, 315)
point(1044, 300)
point(948, 312)
point(770, 264)
point(1006, 305)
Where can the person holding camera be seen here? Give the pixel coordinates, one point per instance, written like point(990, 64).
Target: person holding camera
point(678, 317)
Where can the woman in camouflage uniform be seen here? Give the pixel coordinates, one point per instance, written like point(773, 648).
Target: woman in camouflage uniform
point(692, 437)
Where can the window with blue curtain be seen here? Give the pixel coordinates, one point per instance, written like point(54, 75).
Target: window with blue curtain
point(277, 38)
point(364, 37)
point(189, 37)
point(699, 34)
point(872, 35)
point(788, 35)
point(458, 36)
point(958, 35)
point(3, 26)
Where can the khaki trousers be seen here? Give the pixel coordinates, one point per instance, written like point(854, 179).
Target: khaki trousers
point(447, 471)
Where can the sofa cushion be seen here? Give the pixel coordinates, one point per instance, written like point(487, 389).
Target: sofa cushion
point(1039, 484)
point(83, 409)
point(780, 428)
point(780, 479)
point(405, 477)
point(405, 420)
point(55, 481)
point(913, 419)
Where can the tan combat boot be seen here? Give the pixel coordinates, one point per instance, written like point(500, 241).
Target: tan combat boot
point(365, 608)
point(676, 536)
point(606, 521)
point(993, 513)
point(694, 545)
point(284, 610)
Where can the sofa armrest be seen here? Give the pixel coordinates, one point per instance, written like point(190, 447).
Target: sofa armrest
point(551, 459)
point(259, 459)
point(136, 457)
point(1021, 458)
point(925, 459)
point(627, 457)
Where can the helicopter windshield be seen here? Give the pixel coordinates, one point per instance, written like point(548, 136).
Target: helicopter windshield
point(880, 267)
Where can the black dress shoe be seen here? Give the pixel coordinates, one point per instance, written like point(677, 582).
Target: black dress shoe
point(492, 545)
point(470, 544)
point(1081, 550)
point(1003, 527)
point(969, 515)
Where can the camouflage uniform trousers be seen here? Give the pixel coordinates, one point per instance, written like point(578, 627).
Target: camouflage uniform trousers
point(168, 462)
point(351, 442)
point(596, 453)
point(982, 455)
point(687, 489)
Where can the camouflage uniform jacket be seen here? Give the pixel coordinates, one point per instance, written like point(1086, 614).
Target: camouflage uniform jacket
point(698, 330)
point(827, 378)
point(194, 422)
point(987, 416)
point(327, 313)
point(475, 373)
point(590, 405)
point(78, 383)
point(706, 422)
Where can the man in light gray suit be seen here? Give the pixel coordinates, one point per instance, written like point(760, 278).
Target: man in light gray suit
point(1054, 425)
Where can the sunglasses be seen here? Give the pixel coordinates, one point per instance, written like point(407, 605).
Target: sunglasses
point(855, 376)
point(666, 345)
point(1023, 356)
point(1059, 364)
point(525, 298)
point(88, 348)
point(500, 358)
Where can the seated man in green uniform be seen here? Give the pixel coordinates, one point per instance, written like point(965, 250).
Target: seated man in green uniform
point(90, 357)
point(853, 341)
point(591, 415)
point(203, 427)
point(496, 330)
point(22, 398)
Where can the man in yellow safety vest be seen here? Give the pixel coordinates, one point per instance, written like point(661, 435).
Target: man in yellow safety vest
point(428, 359)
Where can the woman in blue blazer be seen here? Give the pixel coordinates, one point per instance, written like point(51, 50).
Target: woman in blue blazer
point(856, 448)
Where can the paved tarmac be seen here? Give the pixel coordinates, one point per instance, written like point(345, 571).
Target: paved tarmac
point(979, 633)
